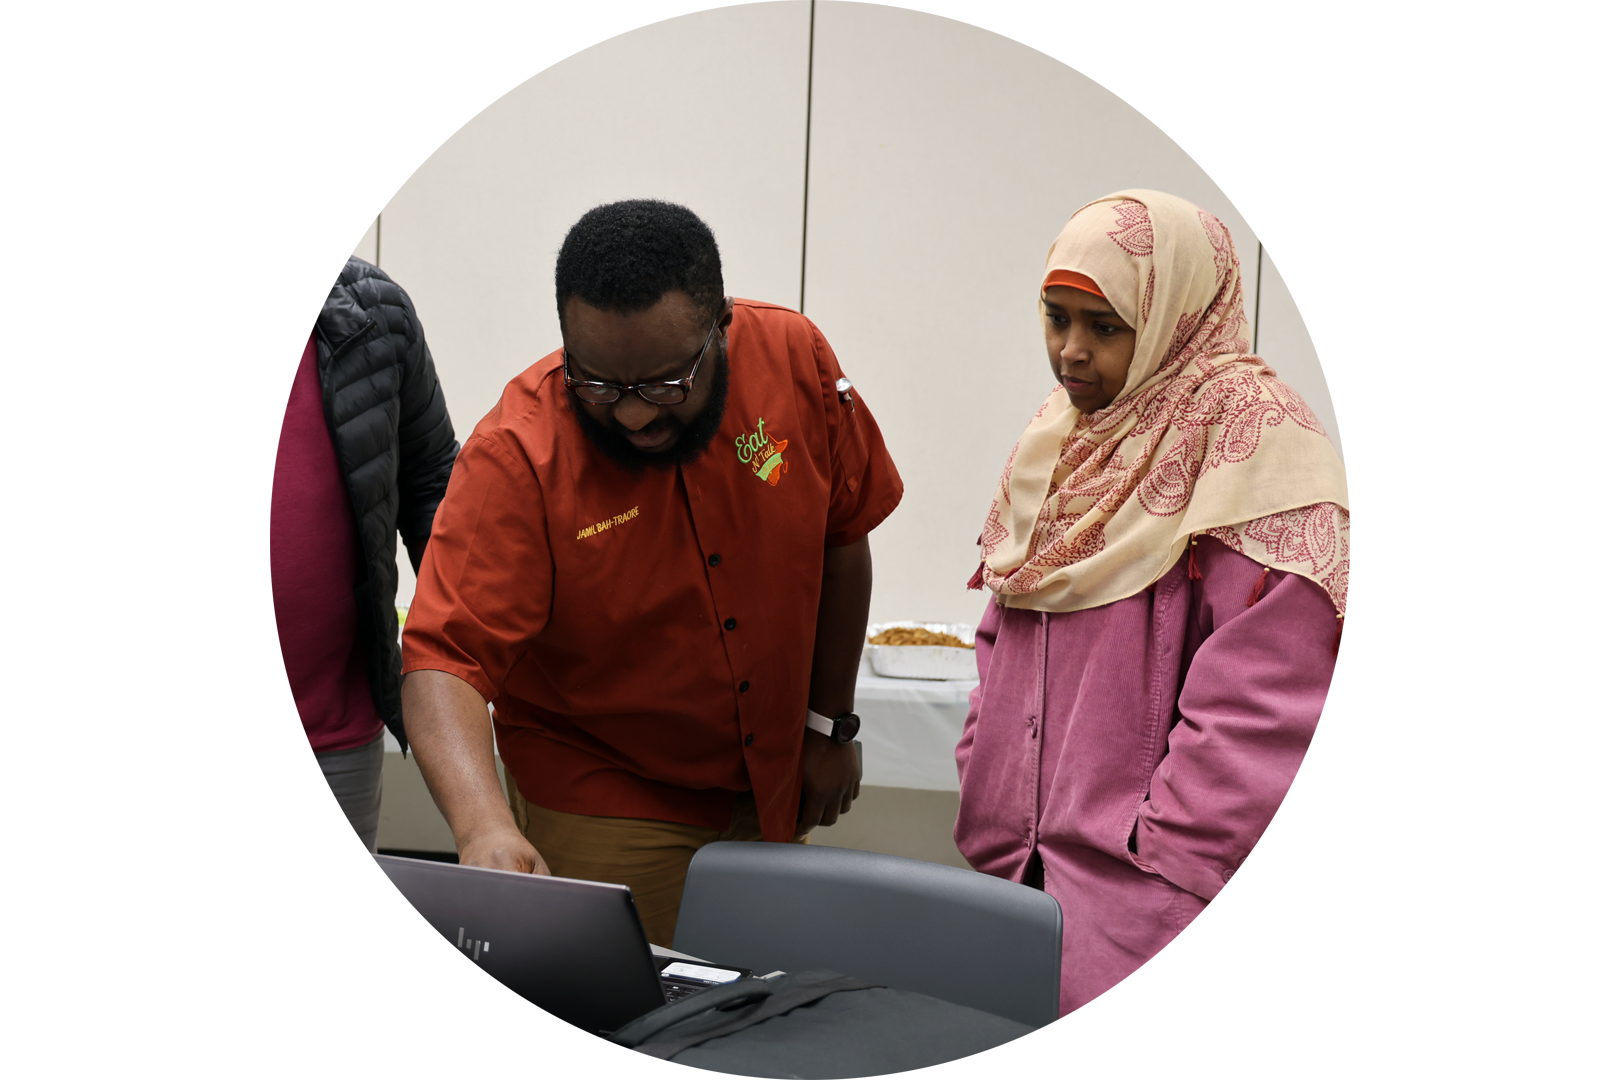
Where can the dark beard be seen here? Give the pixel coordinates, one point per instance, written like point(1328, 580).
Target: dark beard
point(608, 436)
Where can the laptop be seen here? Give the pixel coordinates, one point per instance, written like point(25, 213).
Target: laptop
point(571, 949)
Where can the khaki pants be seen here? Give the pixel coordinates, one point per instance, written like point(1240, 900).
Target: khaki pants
point(649, 856)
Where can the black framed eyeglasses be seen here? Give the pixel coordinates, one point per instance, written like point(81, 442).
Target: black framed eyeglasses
point(666, 392)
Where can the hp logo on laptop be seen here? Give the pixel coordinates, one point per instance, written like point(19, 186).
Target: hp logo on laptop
point(471, 947)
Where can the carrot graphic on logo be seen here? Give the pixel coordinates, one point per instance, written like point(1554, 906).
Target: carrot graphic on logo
point(762, 454)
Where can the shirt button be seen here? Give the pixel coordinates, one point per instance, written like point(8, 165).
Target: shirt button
point(742, 687)
point(731, 624)
point(749, 741)
point(714, 560)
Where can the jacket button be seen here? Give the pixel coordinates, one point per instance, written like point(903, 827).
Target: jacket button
point(731, 624)
point(742, 687)
point(714, 560)
point(749, 741)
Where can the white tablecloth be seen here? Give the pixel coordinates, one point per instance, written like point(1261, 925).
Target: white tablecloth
point(909, 729)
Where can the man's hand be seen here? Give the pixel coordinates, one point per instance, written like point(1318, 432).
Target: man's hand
point(832, 781)
point(502, 849)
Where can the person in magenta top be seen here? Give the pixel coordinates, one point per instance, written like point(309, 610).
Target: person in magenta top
point(365, 453)
point(1168, 553)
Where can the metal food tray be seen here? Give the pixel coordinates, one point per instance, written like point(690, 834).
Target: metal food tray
point(940, 662)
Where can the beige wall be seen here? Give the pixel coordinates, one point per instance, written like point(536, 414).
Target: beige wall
point(942, 161)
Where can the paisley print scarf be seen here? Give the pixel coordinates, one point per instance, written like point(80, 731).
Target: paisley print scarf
point(1203, 439)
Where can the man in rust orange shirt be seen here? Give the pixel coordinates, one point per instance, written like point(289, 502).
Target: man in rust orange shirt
point(652, 561)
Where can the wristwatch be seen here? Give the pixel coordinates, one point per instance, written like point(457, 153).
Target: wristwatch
point(840, 729)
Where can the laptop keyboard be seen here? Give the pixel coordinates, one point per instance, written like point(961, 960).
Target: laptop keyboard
point(674, 991)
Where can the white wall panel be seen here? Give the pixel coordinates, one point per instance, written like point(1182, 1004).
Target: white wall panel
point(1303, 327)
point(943, 162)
point(367, 247)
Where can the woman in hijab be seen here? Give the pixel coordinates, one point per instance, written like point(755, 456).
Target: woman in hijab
point(1167, 553)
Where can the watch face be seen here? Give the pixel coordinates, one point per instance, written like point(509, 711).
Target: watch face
point(846, 727)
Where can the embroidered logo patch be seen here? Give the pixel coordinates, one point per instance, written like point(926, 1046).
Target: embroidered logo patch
point(762, 454)
point(604, 526)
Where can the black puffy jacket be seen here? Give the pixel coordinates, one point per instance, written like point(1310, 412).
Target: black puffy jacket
point(394, 444)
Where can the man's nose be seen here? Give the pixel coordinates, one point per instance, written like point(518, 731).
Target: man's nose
point(634, 411)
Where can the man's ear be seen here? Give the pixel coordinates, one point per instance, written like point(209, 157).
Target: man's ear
point(725, 315)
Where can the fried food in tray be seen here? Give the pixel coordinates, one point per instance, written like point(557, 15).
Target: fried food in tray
point(916, 635)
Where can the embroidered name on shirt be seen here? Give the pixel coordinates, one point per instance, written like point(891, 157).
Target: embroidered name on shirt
point(604, 526)
point(762, 454)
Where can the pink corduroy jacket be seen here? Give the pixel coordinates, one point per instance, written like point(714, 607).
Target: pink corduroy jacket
point(1128, 757)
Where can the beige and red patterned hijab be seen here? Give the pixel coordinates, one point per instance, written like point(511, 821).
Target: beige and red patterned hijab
point(1203, 439)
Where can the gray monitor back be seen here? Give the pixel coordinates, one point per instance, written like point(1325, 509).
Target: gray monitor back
point(953, 934)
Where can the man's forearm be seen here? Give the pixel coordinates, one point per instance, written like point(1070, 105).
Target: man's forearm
point(846, 597)
point(447, 724)
point(832, 771)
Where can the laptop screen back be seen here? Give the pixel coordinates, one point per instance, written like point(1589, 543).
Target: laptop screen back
point(430, 967)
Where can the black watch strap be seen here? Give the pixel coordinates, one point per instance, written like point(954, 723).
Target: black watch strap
point(840, 729)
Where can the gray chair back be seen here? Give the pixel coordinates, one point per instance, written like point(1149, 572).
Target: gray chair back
point(939, 930)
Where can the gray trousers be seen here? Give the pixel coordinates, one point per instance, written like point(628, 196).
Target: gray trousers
point(326, 802)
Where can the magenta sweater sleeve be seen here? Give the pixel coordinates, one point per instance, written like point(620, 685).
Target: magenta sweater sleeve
point(1253, 689)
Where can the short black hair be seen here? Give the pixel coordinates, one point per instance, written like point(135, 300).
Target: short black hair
point(624, 256)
